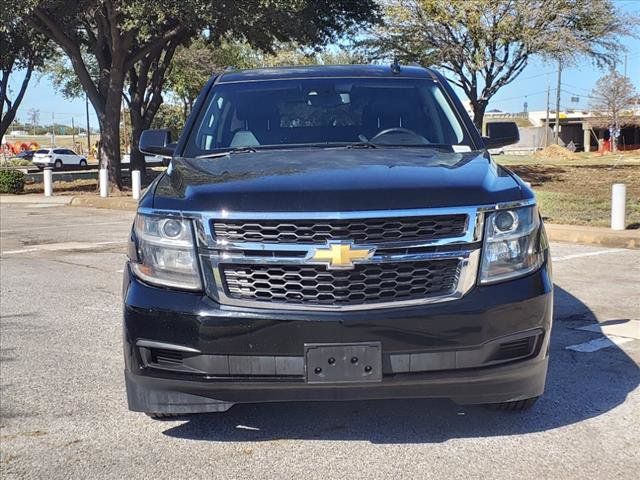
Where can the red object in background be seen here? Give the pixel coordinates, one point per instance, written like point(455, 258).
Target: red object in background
point(605, 146)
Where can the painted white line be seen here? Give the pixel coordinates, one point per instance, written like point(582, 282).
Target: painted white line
point(621, 328)
point(598, 344)
point(52, 247)
point(73, 225)
point(588, 254)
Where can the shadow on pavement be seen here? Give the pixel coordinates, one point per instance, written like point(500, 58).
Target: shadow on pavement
point(579, 386)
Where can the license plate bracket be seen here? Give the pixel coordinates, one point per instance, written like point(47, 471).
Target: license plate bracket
point(343, 362)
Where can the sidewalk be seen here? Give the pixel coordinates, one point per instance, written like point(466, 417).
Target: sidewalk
point(593, 235)
point(556, 232)
point(36, 198)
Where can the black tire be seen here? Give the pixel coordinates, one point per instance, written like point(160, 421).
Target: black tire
point(162, 416)
point(58, 164)
point(517, 406)
point(83, 163)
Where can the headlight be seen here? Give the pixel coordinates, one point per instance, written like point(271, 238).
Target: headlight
point(164, 252)
point(511, 246)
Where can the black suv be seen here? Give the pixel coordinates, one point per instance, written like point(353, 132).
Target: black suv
point(334, 233)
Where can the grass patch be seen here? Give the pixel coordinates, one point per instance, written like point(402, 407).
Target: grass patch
point(581, 194)
point(65, 188)
point(576, 209)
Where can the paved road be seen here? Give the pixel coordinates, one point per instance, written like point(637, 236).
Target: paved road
point(63, 411)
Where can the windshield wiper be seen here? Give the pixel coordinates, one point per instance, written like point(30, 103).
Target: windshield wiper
point(228, 151)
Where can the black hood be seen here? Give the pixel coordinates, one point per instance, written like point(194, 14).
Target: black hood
point(335, 179)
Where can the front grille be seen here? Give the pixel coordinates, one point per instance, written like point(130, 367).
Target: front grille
point(366, 283)
point(375, 230)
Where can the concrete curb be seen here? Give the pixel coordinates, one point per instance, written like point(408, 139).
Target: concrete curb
point(114, 203)
point(594, 235)
point(36, 198)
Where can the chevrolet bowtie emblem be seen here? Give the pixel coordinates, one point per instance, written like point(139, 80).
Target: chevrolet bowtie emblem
point(341, 255)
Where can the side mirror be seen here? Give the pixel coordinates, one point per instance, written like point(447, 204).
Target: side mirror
point(157, 142)
point(501, 134)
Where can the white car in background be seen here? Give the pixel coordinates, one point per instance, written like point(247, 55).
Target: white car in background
point(58, 158)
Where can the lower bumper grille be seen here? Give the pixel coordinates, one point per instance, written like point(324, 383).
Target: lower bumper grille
point(366, 283)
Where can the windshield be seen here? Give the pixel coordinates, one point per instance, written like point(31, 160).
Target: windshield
point(320, 112)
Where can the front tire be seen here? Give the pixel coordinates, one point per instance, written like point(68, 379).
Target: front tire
point(516, 406)
point(58, 164)
point(83, 163)
point(163, 416)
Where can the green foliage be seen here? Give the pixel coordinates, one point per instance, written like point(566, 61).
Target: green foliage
point(11, 181)
point(113, 43)
point(171, 117)
point(194, 64)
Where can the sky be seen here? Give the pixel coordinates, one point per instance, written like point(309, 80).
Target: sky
point(530, 87)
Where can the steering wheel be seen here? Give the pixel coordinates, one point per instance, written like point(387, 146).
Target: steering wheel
point(400, 130)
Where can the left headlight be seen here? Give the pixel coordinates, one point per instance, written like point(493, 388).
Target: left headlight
point(511, 247)
point(163, 252)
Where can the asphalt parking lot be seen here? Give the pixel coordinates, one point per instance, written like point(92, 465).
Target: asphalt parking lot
point(63, 410)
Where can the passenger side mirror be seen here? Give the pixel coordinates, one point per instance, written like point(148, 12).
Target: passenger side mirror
point(501, 134)
point(157, 142)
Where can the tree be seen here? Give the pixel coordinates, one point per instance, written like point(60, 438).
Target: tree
point(129, 37)
point(613, 99)
point(22, 50)
point(483, 45)
point(193, 64)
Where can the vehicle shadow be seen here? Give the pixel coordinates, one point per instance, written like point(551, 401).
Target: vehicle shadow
point(579, 386)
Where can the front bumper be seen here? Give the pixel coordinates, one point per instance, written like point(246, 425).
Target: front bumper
point(442, 350)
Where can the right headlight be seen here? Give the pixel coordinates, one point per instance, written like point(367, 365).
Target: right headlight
point(511, 244)
point(163, 252)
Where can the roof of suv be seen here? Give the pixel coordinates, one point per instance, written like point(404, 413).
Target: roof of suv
point(324, 71)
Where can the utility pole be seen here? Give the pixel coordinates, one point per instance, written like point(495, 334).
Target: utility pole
point(73, 133)
point(556, 133)
point(53, 129)
point(546, 130)
point(86, 104)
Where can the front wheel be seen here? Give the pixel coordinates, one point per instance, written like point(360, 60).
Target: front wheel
point(83, 163)
point(58, 164)
point(163, 416)
point(516, 406)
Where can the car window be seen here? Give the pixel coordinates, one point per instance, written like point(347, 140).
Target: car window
point(392, 111)
point(59, 151)
point(44, 151)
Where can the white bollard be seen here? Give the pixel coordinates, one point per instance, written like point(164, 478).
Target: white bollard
point(47, 175)
point(135, 184)
point(618, 206)
point(104, 182)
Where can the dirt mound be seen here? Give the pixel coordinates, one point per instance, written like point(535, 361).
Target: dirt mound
point(556, 151)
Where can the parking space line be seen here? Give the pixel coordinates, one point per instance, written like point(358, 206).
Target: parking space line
point(71, 225)
point(588, 254)
point(52, 247)
point(598, 344)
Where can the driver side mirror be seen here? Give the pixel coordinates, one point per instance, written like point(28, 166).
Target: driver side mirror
point(157, 142)
point(501, 134)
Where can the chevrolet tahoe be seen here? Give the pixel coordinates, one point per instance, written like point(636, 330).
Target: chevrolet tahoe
point(334, 233)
